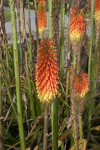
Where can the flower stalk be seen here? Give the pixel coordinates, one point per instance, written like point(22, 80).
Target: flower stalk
point(16, 69)
point(47, 81)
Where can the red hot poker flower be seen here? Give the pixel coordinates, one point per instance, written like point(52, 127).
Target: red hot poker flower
point(42, 18)
point(43, 1)
point(46, 72)
point(97, 10)
point(81, 84)
point(77, 25)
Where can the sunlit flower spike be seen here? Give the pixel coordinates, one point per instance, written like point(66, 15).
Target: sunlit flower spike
point(77, 25)
point(42, 18)
point(47, 71)
point(97, 10)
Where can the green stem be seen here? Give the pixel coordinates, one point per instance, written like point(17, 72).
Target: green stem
point(80, 127)
point(74, 61)
point(50, 18)
point(94, 67)
point(45, 137)
point(30, 37)
point(91, 38)
point(73, 109)
point(18, 15)
point(90, 54)
point(62, 146)
point(36, 22)
point(67, 32)
point(16, 69)
point(67, 90)
point(54, 123)
point(7, 60)
point(29, 88)
point(10, 98)
point(1, 102)
point(67, 77)
point(23, 19)
point(5, 72)
point(62, 30)
point(54, 105)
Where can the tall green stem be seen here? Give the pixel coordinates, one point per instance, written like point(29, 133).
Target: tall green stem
point(18, 15)
point(73, 109)
point(67, 76)
point(36, 22)
point(62, 30)
point(30, 37)
point(94, 67)
point(45, 137)
point(1, 102)
point(90, 54)
point(29, 88)
point(91, 37)
point(50, 18)
point(7, 59)
point(10, 98)
point(54, 123)
point(23, 19)
point(54, 105)
point(16, 69)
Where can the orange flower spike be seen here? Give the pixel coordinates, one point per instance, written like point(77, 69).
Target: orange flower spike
point(77, 25)
point(42, 18)
point(47, 72)
point(81, 84)
point(97, 10)
point(43, 1)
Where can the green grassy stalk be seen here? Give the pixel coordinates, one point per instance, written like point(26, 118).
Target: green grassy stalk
point(91, 38)
point(30, 37)
point(62, 30)
point(54, 105)
point(67, 91)
point(10, 97)
point(18, 15)
point(45, 137)
point(1, 103)
point(36, 22)
point(74, 61)
point(5, 72)
point(73, 108)
point(50, 18)
point(54, 123)
point(94, 67)
point(62, 146)
point(90, 54)
point(67, 76)
point(23, 19)
point(80, 127)
point(16, 69)
point(67, 31)
point(7, 60)
point(29, 88)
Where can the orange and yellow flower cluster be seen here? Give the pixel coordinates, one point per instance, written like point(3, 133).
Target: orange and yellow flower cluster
point(42, 18)
point(46, 71)
point(77, 25)
point(97, 10)
point(81, 84)
point(43, 1)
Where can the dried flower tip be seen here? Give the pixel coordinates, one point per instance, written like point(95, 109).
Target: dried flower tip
point(81, 84)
